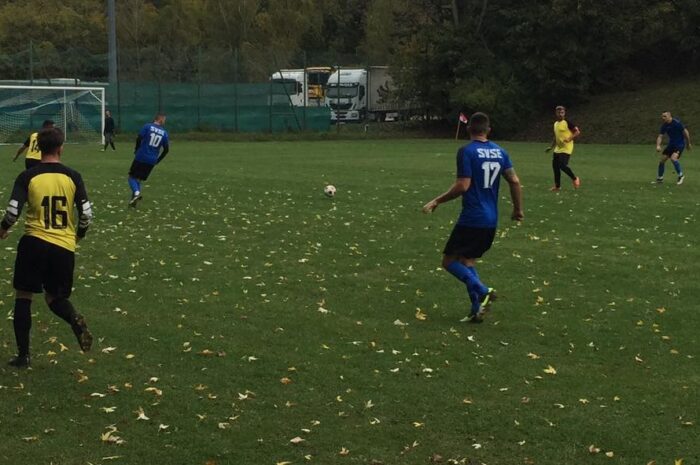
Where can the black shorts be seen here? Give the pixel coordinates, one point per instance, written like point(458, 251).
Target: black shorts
point(43, 266)
point(31, 162)
point(671, 149)
point(140, 170)
point(469, 242)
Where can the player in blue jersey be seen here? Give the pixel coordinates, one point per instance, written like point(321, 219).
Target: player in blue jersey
point(678, 139)
point(480, 165)
point(151, 139)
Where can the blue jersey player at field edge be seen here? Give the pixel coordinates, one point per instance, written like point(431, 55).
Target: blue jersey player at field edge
point(480, 165)
point(678, 139)
point(152, 145)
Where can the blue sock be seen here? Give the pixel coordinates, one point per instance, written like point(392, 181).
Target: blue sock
point(476, 304)
point(135, 185)
point(677, 165)
point(482, 288)
point(661, 170)
point(464, 274)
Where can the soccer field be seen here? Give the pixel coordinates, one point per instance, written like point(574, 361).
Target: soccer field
point(243, 318)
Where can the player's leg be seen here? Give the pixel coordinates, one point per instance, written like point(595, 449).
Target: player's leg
point(22, 325)
point(564, 166)
point(29, 265)
point(58, 285)
point(464, 246)
point(557, 172)
point(675, 156)
point(111, 141)
point(665, 155)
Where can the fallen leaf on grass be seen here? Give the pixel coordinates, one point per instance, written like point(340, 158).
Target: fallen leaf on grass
point(550, 370)
point(141, 415)
point(344, 451)
point(110, 436)
point(297, 440)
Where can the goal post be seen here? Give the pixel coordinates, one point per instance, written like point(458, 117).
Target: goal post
point(78, 111)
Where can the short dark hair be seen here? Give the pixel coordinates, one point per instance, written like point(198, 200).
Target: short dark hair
point(479, 123)
point(159, 115)
point(50, 140)
point(48, 124)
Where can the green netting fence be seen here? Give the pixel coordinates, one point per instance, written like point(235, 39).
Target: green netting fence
point(263, 107)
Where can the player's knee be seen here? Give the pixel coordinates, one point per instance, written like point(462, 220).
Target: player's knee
point(49, 298)
point(23, 295)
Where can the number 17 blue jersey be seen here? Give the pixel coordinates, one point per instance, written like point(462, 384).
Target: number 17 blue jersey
point(153, 137)
point(484, 163)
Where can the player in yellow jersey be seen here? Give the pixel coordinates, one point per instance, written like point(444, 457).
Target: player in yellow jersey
point(565, 131)
point(58, 215)
point(32, 147)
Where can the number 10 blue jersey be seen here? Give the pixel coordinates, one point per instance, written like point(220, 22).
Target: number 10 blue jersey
point(153, 137)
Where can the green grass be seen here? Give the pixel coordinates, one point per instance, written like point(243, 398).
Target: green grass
point(211, 293)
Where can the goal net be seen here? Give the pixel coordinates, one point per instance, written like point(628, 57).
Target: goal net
point(78, 111)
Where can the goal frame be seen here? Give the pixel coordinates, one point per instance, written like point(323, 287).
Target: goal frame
point(103, 103)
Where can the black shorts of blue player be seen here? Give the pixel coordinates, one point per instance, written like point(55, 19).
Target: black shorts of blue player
point(43, 266)
point(469, 242)
point(671, 149)
point(140, 170)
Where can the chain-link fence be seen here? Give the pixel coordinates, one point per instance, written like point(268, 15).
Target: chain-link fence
point(203, 89)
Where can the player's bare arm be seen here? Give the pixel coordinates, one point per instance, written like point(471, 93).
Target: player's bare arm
point(551, 146)
point(659, 139)
point(686, 134)
point(460, 186)
point(574, 134)
point(20, 151)
point(516, 194)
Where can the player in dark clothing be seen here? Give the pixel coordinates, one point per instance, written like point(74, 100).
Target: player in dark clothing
point(109, 131)
point(678, 139)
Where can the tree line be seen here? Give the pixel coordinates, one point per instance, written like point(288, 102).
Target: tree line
point(507, 57)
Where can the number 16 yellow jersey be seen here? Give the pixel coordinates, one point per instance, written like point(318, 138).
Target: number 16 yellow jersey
point(54, 194)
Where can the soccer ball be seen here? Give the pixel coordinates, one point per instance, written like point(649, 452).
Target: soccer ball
point(329, 190)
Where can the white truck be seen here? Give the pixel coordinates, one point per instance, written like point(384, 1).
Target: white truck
point(304, 87)
point(294, 82)
point(355, 94)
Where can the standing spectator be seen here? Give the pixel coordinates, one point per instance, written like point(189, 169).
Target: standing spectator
point(109, 131)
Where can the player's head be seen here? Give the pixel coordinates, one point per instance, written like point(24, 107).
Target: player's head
point(50, 141)
point(108, 113)
point(560, 111)
point(47, 124)
point(479, 124)
point(666, 117)
point(159, 118)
